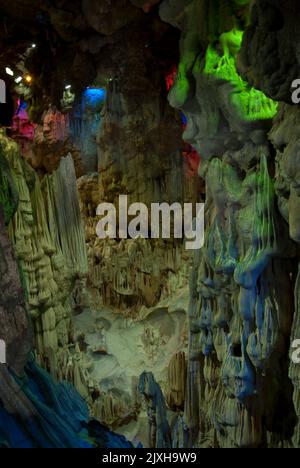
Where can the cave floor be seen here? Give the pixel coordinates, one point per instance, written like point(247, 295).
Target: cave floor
point(119, 350)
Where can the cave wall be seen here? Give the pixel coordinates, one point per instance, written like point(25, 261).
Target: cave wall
point(144, 283)
point(242, 387)
point(35, 410)
point(141, 156)
point(15, 331)
point(239, 387)
point(47, 234)
point(137, 285)
point(131, 146)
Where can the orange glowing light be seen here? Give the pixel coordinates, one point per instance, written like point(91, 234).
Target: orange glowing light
point(28, 78)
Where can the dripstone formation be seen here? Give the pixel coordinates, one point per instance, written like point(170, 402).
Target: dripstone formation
point(162, 101)
point(243, 312)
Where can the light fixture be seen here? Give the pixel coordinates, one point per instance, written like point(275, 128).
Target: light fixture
point(28, 78)
point(18, 79)
point(9, 71)
point(68, 87)
point(33, 46)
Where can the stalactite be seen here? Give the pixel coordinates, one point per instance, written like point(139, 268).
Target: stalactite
point(177, 374)
point(68, 216)
point(132, 274)
point(48, 235)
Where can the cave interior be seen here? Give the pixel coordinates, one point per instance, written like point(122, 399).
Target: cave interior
point(136, 341)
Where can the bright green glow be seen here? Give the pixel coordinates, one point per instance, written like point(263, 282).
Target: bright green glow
point(252, 104)
point(182, 85)
point(232, 41)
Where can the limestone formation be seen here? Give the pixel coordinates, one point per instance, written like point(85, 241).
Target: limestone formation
point(177, 374)
point(159, 431)
point(162, 101)
point(48, 236)
point(240, 319)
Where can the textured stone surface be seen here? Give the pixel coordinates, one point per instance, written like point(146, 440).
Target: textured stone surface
point(270, 57)
point(48, 237)
point(237, 63)
point(15, 328)
point(135, 144)
point(105, 19)
point(35, 411)
point(241, 308)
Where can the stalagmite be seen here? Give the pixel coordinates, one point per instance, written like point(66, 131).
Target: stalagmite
point(159, 431)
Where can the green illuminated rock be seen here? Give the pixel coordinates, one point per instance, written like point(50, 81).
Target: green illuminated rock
point(251, 104)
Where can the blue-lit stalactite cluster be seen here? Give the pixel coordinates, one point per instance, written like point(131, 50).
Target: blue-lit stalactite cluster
point(85, 122)
point(94, 97)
